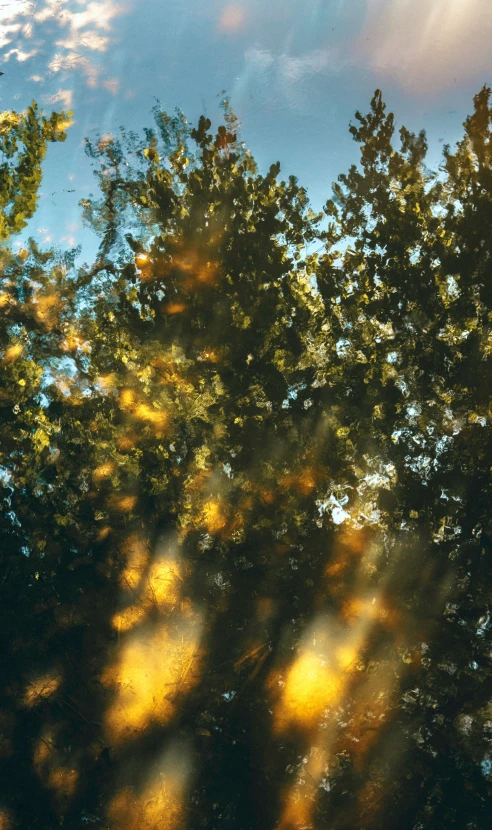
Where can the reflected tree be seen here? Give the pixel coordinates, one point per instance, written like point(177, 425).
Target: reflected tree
point(246, 486)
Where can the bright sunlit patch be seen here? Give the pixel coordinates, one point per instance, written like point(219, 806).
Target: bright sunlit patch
point(310, 687)
point(156, 666)
point(162, 583)
point(127, 398)
point(346, 656)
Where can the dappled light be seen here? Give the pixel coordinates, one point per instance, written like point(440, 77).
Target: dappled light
point(158, 655)
point(154, 667)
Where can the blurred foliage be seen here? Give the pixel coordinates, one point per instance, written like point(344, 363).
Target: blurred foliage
point(23, 140)
point(301, 401)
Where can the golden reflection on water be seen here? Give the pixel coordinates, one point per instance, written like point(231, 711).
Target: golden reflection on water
point(329, 694)
point(161, 803)
point(158, 654)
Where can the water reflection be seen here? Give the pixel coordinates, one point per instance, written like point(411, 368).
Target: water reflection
point(245, 469)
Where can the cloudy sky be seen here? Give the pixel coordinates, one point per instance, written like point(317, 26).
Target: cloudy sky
point(295, 70)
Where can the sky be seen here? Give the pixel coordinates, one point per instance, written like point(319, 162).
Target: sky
point(295, 71)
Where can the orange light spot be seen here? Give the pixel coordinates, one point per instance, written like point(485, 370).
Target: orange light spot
point(71, 342)
point(103, 471)
point(298, 809)
point(174, 308)
point(103, 534)
point(162, 587)
point(213, 518)
point(336, 568)
point(157, 417)
point(232, 18)
point(307, 481)
point(12, 353)
point(123, 503)
point(210, 356)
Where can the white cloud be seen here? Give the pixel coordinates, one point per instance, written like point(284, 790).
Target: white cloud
point(89, 40)
point(63, 96)
point(280, 79)
point(294, 69)
point(258, 59)
point(84, 28)
point(19, 55)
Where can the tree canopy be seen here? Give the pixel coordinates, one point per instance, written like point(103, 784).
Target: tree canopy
point(245, 464)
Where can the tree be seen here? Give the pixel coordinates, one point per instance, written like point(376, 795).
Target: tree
point(260, 548)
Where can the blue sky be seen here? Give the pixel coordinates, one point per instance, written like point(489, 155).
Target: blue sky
point(295, 72)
